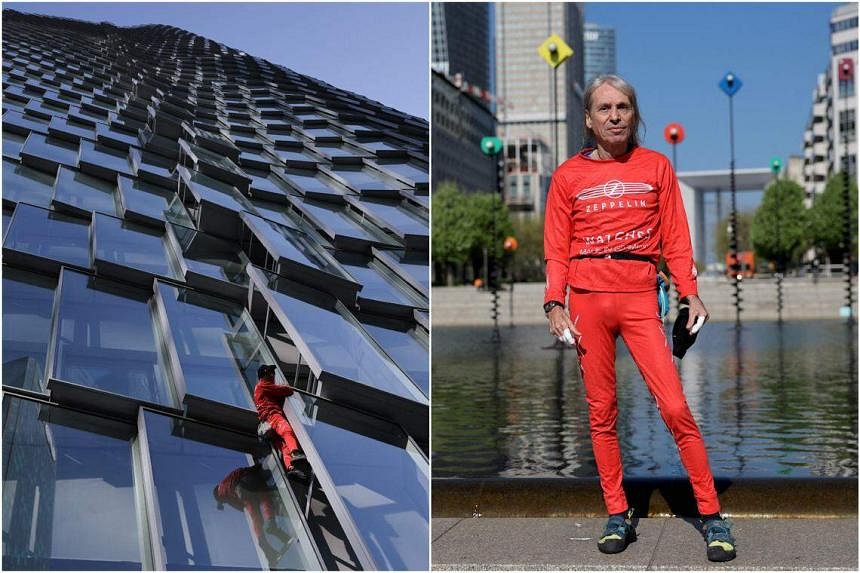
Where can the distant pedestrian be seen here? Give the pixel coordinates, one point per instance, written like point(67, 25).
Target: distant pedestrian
point(269, 399)
point(613, 209)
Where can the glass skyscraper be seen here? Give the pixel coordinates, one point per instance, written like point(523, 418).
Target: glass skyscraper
point(599, 42)
point(177, 213)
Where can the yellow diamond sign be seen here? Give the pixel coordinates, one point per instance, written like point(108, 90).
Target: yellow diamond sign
point(555, 51)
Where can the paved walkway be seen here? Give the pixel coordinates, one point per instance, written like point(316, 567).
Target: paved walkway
point(663, 543)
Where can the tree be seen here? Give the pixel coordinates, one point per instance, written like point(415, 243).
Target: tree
point(779, 229)
point(528, 263)
point(721, 234)
point(826, 218)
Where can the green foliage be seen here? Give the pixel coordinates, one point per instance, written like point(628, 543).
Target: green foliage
point(826, 217)
point(527, 264)
point(779, 226)
point(721, 235)
point(462, 226)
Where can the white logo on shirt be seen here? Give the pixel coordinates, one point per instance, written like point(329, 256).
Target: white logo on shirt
point(614, 189)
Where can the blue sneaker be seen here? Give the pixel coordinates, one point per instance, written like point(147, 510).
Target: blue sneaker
point(721, 543)
point(617, 535)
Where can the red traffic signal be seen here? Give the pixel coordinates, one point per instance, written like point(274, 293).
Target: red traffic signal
point(674, 133)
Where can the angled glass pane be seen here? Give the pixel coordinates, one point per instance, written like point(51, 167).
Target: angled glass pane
point(266, 184)
point(379, 475)
point(147, 202)
point(70, 129)
point(106, 339)
point(27, 302)
point(407, 170)
point(283, 243)
point(379, 146)
point(377, 284)
point(320, 133)
point(341, 346)
point(275, 212)
point(310, 182)
point(47, 152)
point(153, 167)
point(334, 221)
point(215, 159)
point(116, 137)
point(68, 491)
point(218, 352)
point(362, 180)
point(334, 151)
point(84, 193)
point(190, 464)
point(49, 234)
point(211, 256)
point(12, 144)
point(289, 156)
point(26, 185)
point(395, 217)
point(414, 265)
point(104, 161)
point(206, 188)
point(134, 246)
point(407, 350)
point(21, 122)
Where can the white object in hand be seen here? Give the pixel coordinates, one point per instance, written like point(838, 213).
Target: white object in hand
point(568, 337)
point(698, 326)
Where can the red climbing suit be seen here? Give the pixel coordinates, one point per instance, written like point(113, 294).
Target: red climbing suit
point(628, 204)
point(269, 399)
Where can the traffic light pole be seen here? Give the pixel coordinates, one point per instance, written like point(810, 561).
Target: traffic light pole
point(846, 230)
point(734, 218)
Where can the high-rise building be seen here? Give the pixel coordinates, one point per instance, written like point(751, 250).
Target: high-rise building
point(177, 213)
point(530, 99)
point(461, 45)
point(833, 120)
point(599, 44)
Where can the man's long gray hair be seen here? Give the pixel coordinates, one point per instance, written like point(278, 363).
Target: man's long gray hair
point(621, 85)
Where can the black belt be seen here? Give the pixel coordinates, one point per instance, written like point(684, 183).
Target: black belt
point(621, 256)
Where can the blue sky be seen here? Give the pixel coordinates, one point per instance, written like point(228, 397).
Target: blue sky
point(377, 50)
point(675, 55)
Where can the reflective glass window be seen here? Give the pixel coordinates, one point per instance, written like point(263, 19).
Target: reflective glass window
point(320, 133)
point(334, 220)
point(211, 256)
point(115, 136)
point(84, 193)
point(217, 349)
point(23, 184)
point(378, 146)
point(396, 217)
point(68, 491)
point(280, 242)
point(27, 302)
point(342, 347)
point(363, 180)
point(106, 161)
point(50, 150)
point(407, 170)
point(154, 167)
point(151, 202)
point(377, 285)
point(288, 156)
point(381, 478)
point(310, 182)
point(130, 245)
point(106, 339)
point(214, 191)
point(69, 129)
point(193, 463)
point(12, 144)
point(21, 121)
point(49, 234)
point(406, 349)
point(266, 183)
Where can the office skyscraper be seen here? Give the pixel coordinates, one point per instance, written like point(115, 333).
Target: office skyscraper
point(599, 43)
point(461, 44)
point(177, 213)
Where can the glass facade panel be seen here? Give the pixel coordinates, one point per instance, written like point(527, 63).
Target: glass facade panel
point(49, 234)
point(363, 180)
point(106, 339)
point(407, 170)
point(407, 351)
point(68, 491)
point(26, 185)
point(396, 217)
point(51, 148)
point(84, 193)
point(377, 285)
point(27, 302)
point(384, 483)
point(12, 144)
point(196, 534)
point(342, 348)
point(107, 159)
point(310, 182)
point(134, 246)
point(216, 192)
point(151, 202)
point(280, 243)
point(218, 352)
point(334, 220)
point(210, 256)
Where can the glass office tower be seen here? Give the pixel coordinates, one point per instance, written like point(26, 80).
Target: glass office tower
point(177, 213)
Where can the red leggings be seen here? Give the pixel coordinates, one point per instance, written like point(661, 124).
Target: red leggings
point(601, 317)
point(284, 438)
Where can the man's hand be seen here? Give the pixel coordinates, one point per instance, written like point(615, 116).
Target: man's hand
point(697, 309)
point(559, 321)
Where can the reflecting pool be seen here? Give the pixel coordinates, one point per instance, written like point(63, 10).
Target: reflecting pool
point(770, 401)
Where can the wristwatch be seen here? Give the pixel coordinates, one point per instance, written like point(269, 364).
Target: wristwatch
point(551, 305)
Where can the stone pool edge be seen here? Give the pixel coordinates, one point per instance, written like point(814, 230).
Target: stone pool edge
point(787, 497)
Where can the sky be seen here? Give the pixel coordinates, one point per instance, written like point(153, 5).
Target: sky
point(377, 50)
point(676, 54)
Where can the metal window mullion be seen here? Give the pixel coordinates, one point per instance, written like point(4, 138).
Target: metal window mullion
point(153, 512)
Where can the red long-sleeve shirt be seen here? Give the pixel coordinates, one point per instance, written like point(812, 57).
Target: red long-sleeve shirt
point(269, 398)
point(629, 204)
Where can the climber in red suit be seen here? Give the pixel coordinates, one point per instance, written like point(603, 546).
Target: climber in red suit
point(269, 399)
point(612, 210)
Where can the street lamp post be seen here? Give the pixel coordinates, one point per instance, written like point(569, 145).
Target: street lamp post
point(846, 230)
point(674, 134)
point(730, 84)
point(555, 52)
point(491, 146)
point(775, 167)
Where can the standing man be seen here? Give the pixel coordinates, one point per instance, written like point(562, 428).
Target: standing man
point(269, 399)
point(612, 210)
